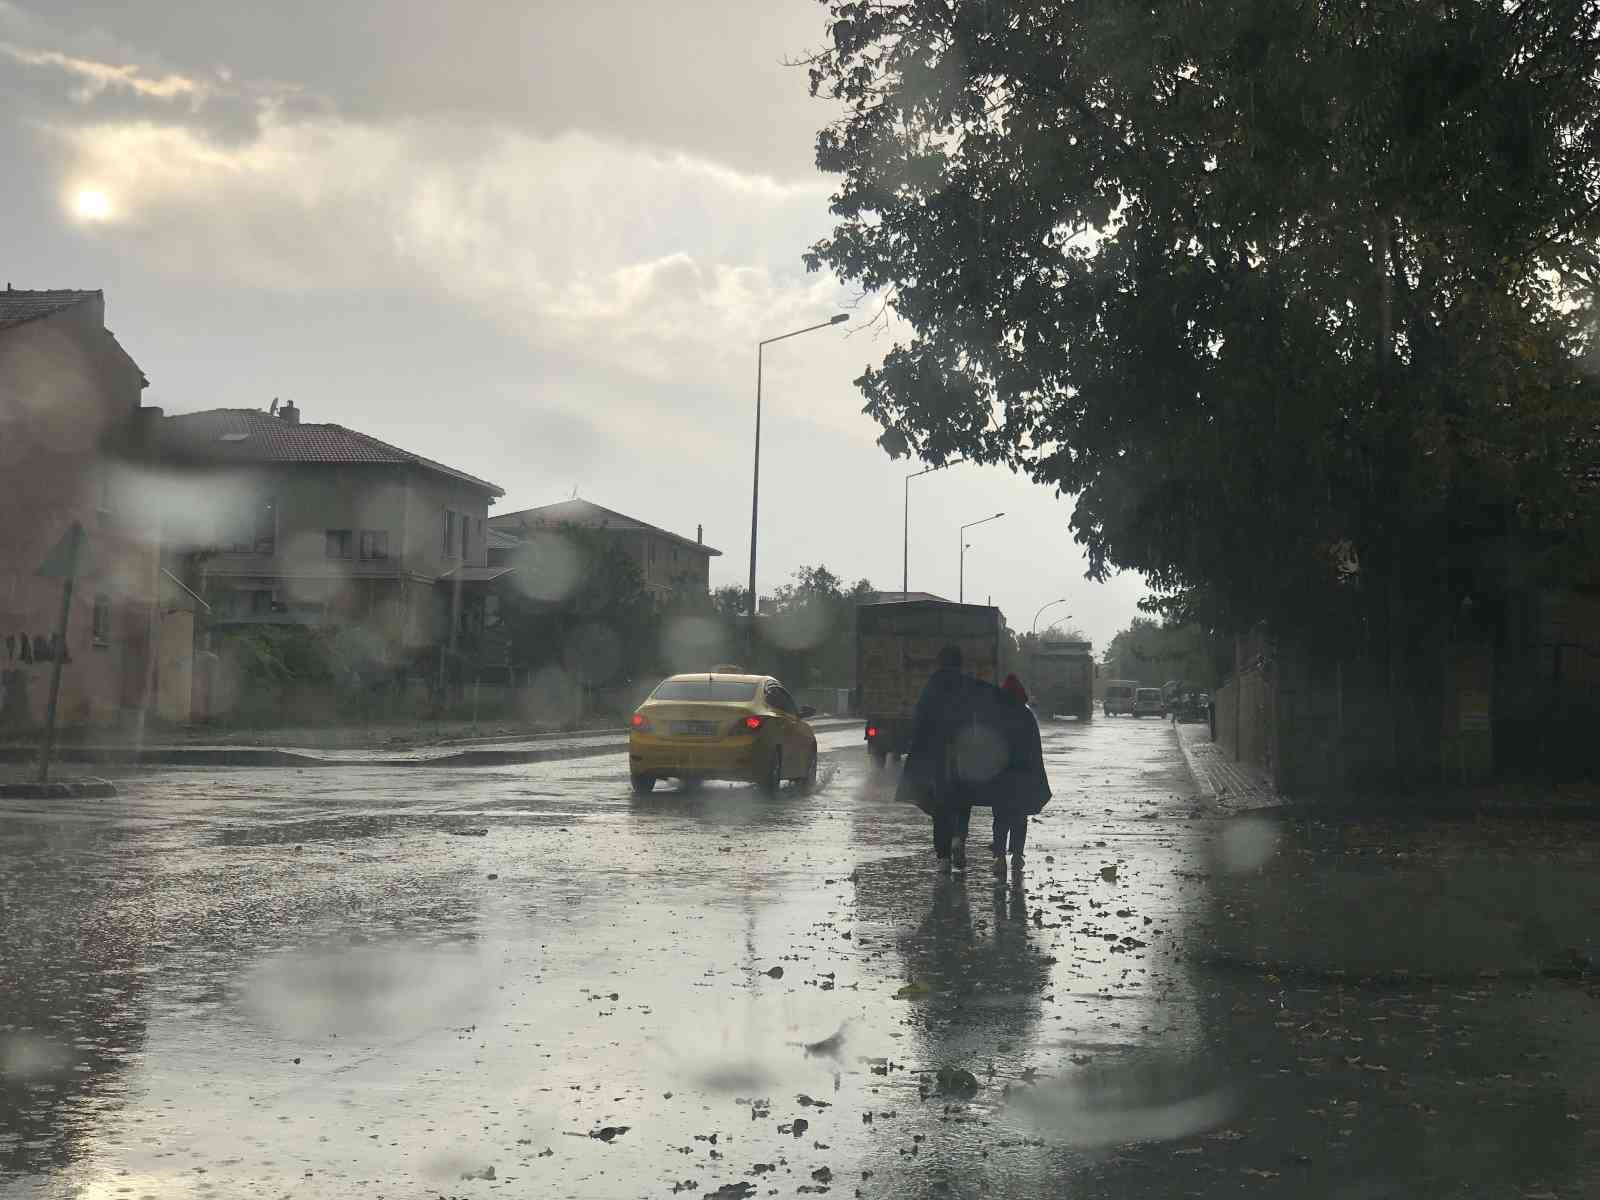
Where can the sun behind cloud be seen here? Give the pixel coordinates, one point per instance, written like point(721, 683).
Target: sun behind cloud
point(91, 204)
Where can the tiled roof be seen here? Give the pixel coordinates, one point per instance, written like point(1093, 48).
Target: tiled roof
point(230, 435)
point(17, 307)
point(587, 514)
point(499, 539)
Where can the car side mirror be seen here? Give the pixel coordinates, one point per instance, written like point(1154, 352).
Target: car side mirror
point(807, 712)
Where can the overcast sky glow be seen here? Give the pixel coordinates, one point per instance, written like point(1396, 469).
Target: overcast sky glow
point(536, 241)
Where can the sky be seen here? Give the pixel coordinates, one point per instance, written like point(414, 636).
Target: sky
point(538, 242)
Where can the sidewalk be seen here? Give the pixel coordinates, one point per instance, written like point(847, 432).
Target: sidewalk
point(1234, 786)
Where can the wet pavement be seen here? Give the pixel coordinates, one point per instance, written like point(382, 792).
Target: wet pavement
point(393, 982)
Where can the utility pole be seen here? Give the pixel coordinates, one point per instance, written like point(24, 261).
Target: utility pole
point(63, 563)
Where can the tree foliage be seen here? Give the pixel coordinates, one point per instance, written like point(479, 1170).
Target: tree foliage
point(810, 632)
point(577, 601)
point(1294, 298)
point(1155, 652)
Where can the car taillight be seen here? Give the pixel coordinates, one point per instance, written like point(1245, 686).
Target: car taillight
point(748, 725)
point(641, 722)
point(872, 731)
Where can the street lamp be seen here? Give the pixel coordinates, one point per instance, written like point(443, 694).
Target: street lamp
point(1053, 624)
point(755, 476)
point(961, 586)
point(1040, 613)
point(905, 545)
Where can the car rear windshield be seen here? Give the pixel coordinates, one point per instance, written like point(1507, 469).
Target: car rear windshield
point(1149, 693)
point(705, 689)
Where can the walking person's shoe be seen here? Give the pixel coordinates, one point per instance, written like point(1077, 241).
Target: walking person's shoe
point(1016, 863)
point(958, 853)
point(999, 866)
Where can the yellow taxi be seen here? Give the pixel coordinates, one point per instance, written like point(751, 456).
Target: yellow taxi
point(717, 725)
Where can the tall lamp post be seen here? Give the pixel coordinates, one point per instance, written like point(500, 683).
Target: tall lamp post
point(755, 475)
point(905, 545)
point(961, 586)
point(1040, 613)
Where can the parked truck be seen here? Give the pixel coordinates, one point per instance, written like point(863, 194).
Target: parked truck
point(897, 649)
point(1059, 677)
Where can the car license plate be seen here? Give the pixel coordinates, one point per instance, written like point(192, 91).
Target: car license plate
point(695, 728)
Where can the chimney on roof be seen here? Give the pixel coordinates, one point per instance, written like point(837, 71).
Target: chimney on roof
point(699, 534)
point(289, 413)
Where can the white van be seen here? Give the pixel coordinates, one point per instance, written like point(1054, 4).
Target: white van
point(1119, 697)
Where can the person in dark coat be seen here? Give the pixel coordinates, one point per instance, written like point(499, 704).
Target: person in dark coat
point(1022, 789)
point(933, 779)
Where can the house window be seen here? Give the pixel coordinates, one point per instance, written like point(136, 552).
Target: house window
point(375, 544)
point(449, 534)
point(260, 603)
point(101, 620)
point(251, 527)
point(266, 525)
point(337, 543)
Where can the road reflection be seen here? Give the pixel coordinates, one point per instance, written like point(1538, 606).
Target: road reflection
point(72, 985)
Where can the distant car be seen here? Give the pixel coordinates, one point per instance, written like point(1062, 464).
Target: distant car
point(1147, 702)
point(1118, 697)
point(742, 728)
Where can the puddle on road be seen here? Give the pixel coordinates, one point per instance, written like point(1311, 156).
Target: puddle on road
point(618, 971)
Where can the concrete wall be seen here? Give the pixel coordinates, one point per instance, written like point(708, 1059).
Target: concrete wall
point(396, 596)
point(69, 412)
point(174, 680)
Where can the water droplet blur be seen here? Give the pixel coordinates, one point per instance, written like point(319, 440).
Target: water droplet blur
point(1247, 844)
point(366, 990)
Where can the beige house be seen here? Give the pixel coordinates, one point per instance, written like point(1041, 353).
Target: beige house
point(281, 521)
point(71, 428)
point(667, 562)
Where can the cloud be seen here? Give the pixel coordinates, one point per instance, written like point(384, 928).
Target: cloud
point(99, 76)
point(670, 256)
point(702, 77)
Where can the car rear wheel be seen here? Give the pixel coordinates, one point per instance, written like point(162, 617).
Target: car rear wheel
point(773, 780)
point(643, 785)
point(809, 781)
point(690, 783)
point(878, 758)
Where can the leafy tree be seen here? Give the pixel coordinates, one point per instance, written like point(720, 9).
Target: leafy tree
point(811, 629)
point(1295, 299)
point(1154, 652)
point(1027, 642)
point(577, 601)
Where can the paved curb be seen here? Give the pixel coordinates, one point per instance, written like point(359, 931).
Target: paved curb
point(251, 756)
point(177, 756)
point(1233, 787)
point(67, 789)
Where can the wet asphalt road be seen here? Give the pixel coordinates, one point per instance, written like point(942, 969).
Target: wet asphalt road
point(395, 982)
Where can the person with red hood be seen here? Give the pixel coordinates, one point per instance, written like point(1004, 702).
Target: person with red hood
point(1022, 788)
